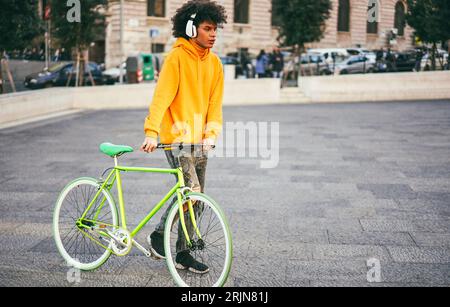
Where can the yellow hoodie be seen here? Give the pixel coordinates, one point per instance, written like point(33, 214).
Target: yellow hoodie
point(187, 104)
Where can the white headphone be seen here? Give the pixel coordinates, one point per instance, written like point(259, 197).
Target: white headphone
point(191, 30)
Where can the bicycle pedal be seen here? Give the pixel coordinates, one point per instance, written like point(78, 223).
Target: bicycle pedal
point(145, 251)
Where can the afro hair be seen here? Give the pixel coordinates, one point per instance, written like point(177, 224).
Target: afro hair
point(206, 10)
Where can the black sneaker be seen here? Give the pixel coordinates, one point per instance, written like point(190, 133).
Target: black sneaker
point(156, 242)
point(186, 262)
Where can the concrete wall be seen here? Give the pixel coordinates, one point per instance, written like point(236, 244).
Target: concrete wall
point(16, 107)
point(24, 105)
point(237, 92)
point(377, 87)
point(349, 88)
point(114, 96)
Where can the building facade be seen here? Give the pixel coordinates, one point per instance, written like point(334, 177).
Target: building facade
point(349, 26)
point(147, 26)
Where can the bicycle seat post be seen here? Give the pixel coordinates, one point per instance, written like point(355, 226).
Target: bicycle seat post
point(179, 162)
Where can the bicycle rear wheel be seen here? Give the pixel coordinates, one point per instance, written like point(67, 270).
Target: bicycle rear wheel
point(213, 248)
point(82, 247)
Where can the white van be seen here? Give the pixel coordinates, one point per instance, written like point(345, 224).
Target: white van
point(341, 54)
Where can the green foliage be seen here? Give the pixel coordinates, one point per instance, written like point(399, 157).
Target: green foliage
point(78, 34)
point(301, 21)
point(430, 19)
point(19, 24)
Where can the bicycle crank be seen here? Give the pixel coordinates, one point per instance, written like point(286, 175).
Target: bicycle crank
point(121, 242)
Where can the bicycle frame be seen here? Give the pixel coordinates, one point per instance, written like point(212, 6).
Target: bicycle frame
point(114, 175)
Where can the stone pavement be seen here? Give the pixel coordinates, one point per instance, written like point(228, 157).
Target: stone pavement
point(354, 182)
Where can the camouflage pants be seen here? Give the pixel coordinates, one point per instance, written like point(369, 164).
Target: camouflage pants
point(193, 163)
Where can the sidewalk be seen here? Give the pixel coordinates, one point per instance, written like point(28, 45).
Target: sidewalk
point(354, 182)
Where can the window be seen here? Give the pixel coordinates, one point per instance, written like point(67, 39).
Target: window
point(399, 21)
point(241, 11)
point(372, 25)
point(157, 48)
point(344, 16)
point(276, 19)
point(156, 8)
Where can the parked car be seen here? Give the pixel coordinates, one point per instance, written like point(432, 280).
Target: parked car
point(112, 75)
point(230, 60)
point(441, 61)
point(395, 61)
point(313, 63)
point(250, 68)
point(370, 55)
point(355, 64)
point(405, 61)
point(381, 66)
point(59, 74)
point(338, 54)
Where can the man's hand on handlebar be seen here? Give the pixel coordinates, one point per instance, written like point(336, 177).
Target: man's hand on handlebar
point(208, 144)
point(149, 145)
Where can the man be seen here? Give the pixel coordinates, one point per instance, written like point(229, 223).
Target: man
point(419, 56)
point(187, 108)
point(277, 62)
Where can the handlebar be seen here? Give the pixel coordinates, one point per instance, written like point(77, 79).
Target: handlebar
point(182, 146)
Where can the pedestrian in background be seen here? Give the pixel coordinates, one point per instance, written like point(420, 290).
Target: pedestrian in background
point(262, 62)
point(391, 61)
point(245, 63)
point(277, 62)
point(419, 56)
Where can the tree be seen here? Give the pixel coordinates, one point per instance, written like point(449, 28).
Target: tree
point(300, 21)
point(19, 25)
point(431, 22)
point(77, 24)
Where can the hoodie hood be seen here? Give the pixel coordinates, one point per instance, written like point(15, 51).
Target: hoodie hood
point(192, 49)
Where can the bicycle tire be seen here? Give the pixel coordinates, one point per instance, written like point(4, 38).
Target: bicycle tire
point(90, 255)
point(214, 244)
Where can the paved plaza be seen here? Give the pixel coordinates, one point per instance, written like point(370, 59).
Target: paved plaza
point(355, 185)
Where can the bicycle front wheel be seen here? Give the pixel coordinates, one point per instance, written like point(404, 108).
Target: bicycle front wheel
point(213, 248)
point(76, 238)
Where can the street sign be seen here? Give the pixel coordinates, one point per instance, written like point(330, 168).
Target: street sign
point(133, 23)
point(154, 32)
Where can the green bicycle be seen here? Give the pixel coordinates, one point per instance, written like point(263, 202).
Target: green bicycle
point(87, 231)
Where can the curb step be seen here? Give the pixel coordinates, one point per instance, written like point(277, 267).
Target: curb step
point(293, 95)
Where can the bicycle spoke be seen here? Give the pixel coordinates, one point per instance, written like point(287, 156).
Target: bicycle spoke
point(81, 244)
point(214, 251)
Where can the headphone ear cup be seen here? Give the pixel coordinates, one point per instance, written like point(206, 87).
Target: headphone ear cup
point(189, 28)
point(191, 31)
